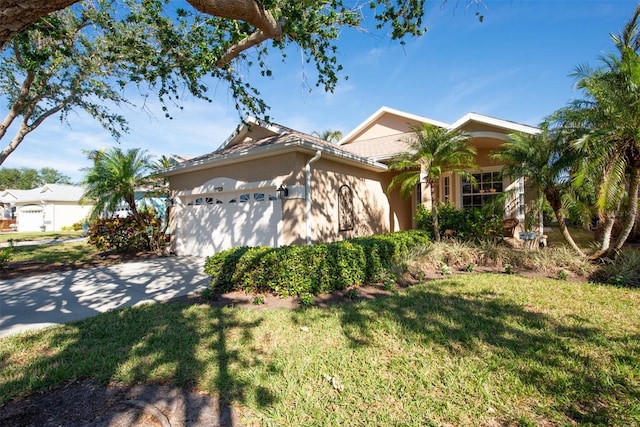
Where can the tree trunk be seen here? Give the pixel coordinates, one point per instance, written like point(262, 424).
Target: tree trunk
point(15, 15)
point(15, 142)
point(554, 199)
point(434, 212)
point(632, 211)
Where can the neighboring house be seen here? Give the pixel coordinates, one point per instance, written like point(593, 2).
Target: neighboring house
point(48, 208)
point(271, 185)
point(143, 201)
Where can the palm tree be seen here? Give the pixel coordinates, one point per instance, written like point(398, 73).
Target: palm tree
point(328, 135)
point(114, 177)
point(433, 150)
point(545, 161)
point(606, 125)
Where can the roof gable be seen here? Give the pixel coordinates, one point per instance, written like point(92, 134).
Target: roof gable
point(252, 130)
point(386, 122)
point(474, 122)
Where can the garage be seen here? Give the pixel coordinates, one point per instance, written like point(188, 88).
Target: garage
point(210, 223)
point(30, 218)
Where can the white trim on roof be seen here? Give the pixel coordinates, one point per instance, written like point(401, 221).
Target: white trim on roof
point(505, 124)
point(388, 110)
point(243, 129)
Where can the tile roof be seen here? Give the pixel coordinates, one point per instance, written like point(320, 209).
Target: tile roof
point(284, 136)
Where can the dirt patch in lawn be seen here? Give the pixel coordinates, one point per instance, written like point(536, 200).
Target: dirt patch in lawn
point(86, 403)
point(18, 269)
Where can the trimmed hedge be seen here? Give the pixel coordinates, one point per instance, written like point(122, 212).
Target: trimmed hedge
point(315, 269)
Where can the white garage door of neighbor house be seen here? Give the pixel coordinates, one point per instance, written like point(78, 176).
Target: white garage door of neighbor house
point(30, 218)
point(213, 223)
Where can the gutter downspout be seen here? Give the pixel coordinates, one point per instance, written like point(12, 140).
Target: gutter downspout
point(307, 192)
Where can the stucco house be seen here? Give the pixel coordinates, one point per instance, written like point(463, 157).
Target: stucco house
point(48, 208)
point(272, 185)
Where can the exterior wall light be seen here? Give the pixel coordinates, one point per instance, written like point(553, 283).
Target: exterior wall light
point(282, 192)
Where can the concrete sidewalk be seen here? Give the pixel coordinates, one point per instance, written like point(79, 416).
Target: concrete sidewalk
point(40, 301)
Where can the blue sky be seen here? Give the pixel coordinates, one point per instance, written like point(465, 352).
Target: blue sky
point(515, 66)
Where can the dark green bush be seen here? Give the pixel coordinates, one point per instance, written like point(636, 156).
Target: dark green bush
point(316, 269)
point(125, 235)
point(469, 225)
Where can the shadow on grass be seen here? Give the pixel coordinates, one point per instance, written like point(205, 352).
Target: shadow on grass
point(167, 344)
point(554, 358)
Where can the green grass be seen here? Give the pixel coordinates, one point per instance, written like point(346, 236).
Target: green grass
point(583, 238)
point(54, 253)
point(464, 350)
point(36, 235)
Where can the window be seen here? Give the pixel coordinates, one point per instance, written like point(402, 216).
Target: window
point(258, 197)
point(446, 189)
point(345, 208)
point(487, 186)
point(520, 212)
point(245, 197)
point(419, 193)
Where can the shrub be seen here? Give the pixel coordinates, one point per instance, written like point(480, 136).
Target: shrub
point(128, 234)
point(73, 227)
point(624, 270)
point(5, 256)
point(299, 270)
point(472, 225)
point(307, 299)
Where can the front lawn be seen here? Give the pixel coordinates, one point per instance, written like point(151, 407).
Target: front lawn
point(65, 253)
point(39, 235)
point(466, 350)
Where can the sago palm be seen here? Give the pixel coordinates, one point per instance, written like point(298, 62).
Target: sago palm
point(433, 151)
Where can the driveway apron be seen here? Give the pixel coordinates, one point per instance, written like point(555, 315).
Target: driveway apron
point(39, 301)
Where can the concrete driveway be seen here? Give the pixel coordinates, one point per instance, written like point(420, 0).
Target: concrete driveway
point(52, 299)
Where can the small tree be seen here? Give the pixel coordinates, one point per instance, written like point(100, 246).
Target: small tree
point(114, 178)
point(604, 125)
point(433, 151)
point(545, 160)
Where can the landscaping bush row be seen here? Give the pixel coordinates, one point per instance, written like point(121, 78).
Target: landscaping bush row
point(315, 269)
